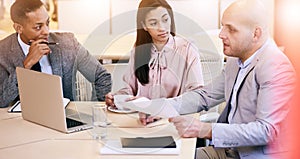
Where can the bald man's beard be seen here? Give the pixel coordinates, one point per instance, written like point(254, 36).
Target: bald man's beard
point(240, 51)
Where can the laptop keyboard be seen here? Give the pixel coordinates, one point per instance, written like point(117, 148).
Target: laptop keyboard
point(72, 123)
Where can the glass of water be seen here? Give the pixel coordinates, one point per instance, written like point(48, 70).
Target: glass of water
point(99, 121)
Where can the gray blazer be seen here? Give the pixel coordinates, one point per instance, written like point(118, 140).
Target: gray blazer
point(66, 59)
point(258, 128)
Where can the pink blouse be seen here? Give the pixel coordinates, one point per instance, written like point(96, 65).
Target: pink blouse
point(173, 70)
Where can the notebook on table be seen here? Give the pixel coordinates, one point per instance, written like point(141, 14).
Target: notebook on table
point(41, 96)
point(16, 107)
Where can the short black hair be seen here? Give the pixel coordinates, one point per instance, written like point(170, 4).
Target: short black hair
point(20, 8)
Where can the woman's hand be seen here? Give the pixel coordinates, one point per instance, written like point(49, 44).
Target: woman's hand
point(109, 100)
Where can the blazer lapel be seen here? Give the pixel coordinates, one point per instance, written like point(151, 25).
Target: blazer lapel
point(249, 69)
point(234, 69)
point(16, 51)
point(55, 58)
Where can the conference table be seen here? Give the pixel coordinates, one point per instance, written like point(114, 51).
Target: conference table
point(23, 139)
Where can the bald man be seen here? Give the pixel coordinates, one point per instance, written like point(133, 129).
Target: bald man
point(257, 84)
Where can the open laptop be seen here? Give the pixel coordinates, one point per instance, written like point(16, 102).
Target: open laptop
point(42, 101)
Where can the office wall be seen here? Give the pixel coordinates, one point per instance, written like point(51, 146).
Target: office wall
point(82, 16)
point(113, 19)
point(91, 13)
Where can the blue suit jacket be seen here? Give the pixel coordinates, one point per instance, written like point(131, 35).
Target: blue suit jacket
point(65, 59)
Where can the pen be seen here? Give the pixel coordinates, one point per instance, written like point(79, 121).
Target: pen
point(48, 43)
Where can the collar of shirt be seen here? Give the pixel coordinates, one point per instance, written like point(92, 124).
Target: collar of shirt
point(25, 47)
point(167, 48)
point(250, 59)
point(158, 58)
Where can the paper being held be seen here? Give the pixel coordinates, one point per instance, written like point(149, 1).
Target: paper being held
point(156, 107)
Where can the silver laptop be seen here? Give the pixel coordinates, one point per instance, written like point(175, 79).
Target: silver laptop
point(42, 102)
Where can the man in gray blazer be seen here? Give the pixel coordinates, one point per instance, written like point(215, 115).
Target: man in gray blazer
point(257, 85)
point(31, 45)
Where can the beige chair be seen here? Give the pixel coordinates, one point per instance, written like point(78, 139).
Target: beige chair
point(117, 71)
point(210, 48)
point(84, 89)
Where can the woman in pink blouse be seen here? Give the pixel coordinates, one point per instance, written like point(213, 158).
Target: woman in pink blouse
point(161, 64)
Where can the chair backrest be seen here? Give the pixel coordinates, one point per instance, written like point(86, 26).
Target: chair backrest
point(84, 89)
point(210, 48)
point(117, 71)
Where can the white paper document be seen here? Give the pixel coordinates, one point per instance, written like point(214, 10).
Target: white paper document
point(156, 107)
